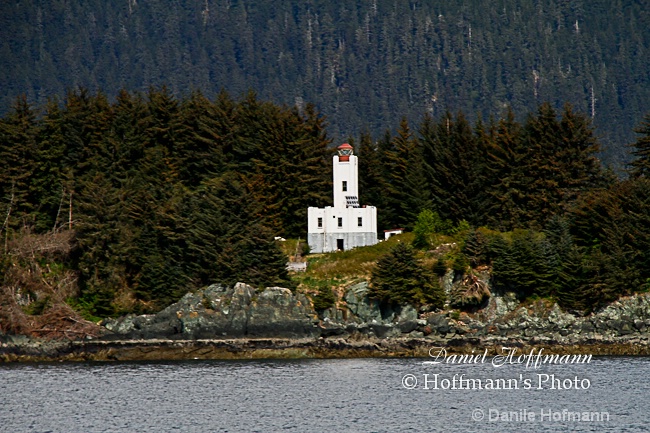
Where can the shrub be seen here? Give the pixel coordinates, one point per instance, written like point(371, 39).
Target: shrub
point(400, 278)
point(324, 299)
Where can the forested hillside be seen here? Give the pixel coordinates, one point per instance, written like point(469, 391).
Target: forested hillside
point(364, 64)
point(124, 206)
point(161, 195)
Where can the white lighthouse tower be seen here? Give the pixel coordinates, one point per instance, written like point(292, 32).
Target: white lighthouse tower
point(345, 225)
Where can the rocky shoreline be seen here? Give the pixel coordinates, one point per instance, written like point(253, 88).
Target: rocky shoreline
point(243, 323)
point(276, 348)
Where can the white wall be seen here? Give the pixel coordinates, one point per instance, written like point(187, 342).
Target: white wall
point(327, 237)
point(330, 230)
point(345, 171)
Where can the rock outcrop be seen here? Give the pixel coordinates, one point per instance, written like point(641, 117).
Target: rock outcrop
point(219, 322)
point(218, 312)
point(222, 312)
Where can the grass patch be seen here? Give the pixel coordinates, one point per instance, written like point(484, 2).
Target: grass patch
point(342, 268)
point(290, 247)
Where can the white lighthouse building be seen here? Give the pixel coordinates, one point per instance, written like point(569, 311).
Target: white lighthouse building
point(345, 225)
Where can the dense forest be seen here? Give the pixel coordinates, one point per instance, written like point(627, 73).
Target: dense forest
point(364, 64)
point(129, 204)
point(552, 222)
point(162, 195)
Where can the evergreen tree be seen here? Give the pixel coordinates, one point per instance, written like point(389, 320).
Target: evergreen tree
point(371, 173)
point(527, 264)
point(504, 189)
point(560, 163)
point(399, 278)
point(403, 202)
point(475, 248)
point(292, 170)
point(18, 158)
point(541, 168)
point(48, 186)
point(201, 155)
point(640, 166)
point(248, 252)
point(453, 166)
point(85, 120)
point(581, 169)
point(416, 192)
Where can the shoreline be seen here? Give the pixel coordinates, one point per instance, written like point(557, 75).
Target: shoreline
point(283, 348)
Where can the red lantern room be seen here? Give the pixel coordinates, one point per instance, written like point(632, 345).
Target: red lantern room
point(345, 150)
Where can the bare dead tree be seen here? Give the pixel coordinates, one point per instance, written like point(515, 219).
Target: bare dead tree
point(58, 212)
point(6, 223)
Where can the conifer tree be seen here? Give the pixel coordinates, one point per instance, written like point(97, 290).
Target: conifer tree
point(371, 172)
point(581, 169)
point(127, 139)
point(399, 160)
point(399, 278)
point(166, 136)
point(475, 248)
point(201, 155)
point(452, 165)
point(640, 166)
point(541, 168)
point(18, 157)
point(559, 165)
point(504, 191)
point(292, 169)
point(48, 187)
point(244, 250)
point(416, 191)
point(85, 120)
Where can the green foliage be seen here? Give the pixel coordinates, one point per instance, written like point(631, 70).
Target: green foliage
point(461, 228)
point(640, 166)
point(475, 248)
point(38, 306)
point(424, 228)
point(613, 226)
point(524, 264)
point(163, 195)
point(440, 268)
point(324, 299)
point(87, 308)
point(460, 263)
point(400, 278)
point(428, 225)
point(435, 67)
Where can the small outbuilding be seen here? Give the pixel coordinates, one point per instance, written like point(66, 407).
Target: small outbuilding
point(392, 232)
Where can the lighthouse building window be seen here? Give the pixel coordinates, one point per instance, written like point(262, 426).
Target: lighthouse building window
point(345, 185)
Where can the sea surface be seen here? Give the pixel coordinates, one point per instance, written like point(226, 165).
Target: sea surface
point(346, 395)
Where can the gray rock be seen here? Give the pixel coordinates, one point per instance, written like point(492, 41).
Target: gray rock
point(588, 326)
point(363, 308)
point(639, 324)
point(330, 329)
point(408, 313)
point(217, 312)
point(439, 323)
point(278, 313)
point(407, 326)
point(383, 331)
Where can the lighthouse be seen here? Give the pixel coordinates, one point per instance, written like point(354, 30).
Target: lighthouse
point(347, 224)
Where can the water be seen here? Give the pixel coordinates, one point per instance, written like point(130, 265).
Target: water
point(351, 395)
